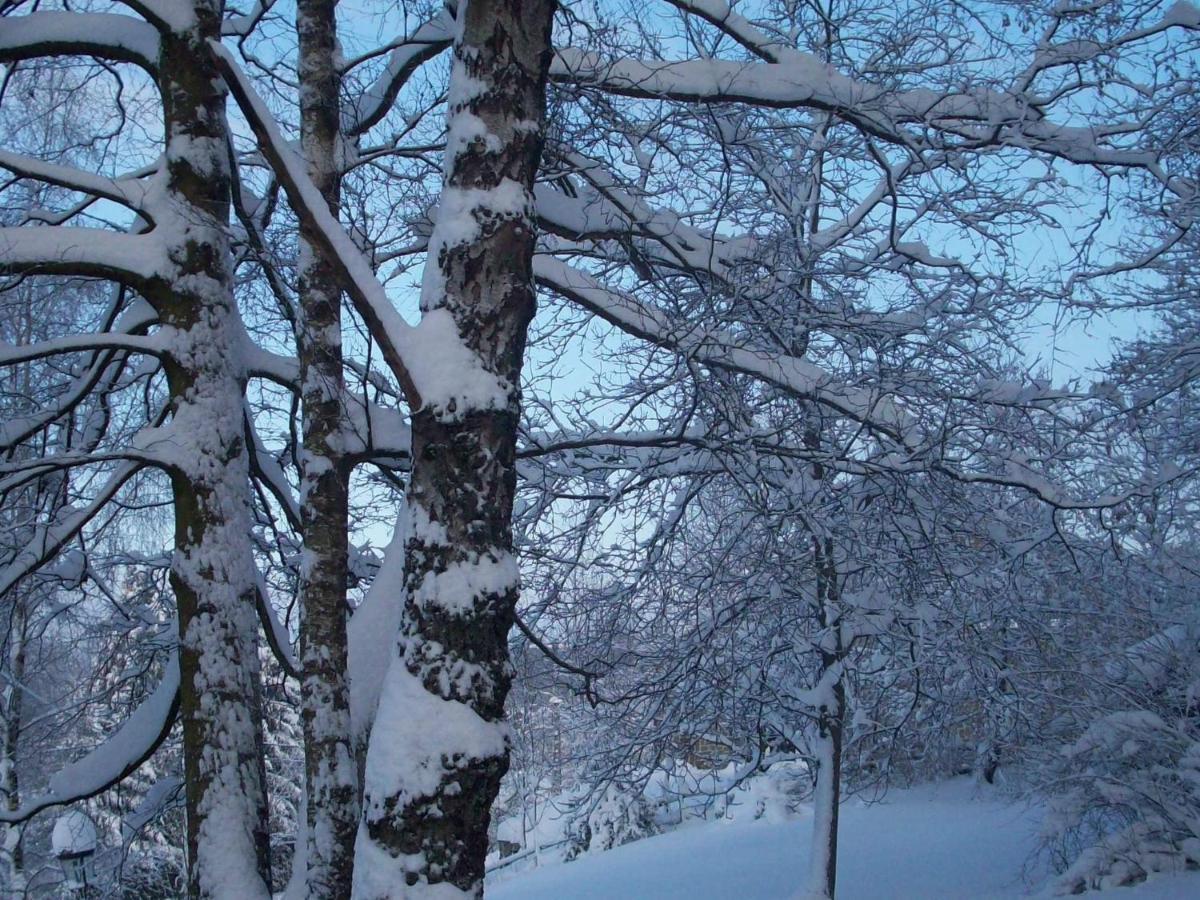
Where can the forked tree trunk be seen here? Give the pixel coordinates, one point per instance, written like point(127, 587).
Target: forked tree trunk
point(439, 748)
point(212, 571)
point(331, 774)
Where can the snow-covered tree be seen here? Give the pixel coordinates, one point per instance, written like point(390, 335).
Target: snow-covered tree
point(794, 238)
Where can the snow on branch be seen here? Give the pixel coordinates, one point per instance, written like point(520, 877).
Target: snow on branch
point(370, 300)
point(15, 474)
point(374, 102)
point(165, 15)
point(50, 540)
point(102, 35)
point(86, 252)
point(1147, 664)
point(266, 469)
point(17, 353)
point(120, 754)
point(127, 192)
point(430, 360)
point(881, 414)
point(712, 347)
point(282, 370)
point(242, 25)
point(719, 14)
point(100, 376)
point(606, 208)
point(784, 77)
point(377, 433)
point(278, 639)
point(802, 82)
point(1016, 473)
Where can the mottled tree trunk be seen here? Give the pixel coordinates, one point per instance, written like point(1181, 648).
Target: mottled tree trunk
point(331, 774)
point(212, 571)
point(439, 747)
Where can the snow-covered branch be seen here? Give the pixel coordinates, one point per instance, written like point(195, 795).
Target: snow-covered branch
point(88, 252)
point(427, 359)
point(165, 15)
point(10, 354)
point(370, 300)
point(712, 347)
point(128, 192)
point(119, 755)
point(920, 119)
point(51, 539)
point(102, 35)
point(373, 104)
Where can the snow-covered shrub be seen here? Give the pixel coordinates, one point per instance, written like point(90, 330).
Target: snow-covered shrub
point(150, 876)
point(618, 817)
point(1132, 807)
point(772, 796)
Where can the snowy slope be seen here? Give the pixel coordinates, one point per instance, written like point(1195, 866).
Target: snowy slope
point(940, 843)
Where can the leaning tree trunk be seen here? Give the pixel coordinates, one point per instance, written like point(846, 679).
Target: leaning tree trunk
point(438, 747)
point(212, 571)
point(331, 774)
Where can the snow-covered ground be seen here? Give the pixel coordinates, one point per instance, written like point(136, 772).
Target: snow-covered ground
point(946, 842)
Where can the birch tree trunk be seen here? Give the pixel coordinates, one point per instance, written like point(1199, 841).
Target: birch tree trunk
point(331, 774)
point(439, 747)
point(212, 571)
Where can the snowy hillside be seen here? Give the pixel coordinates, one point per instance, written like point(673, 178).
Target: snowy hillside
point(949, 842)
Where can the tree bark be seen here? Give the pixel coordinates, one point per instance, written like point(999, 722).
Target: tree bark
point(822, 878)
point(331, 774)
point(16, 516)
point(822, 873)
point(439, 747)
point(11, 849)
point(212, 570)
